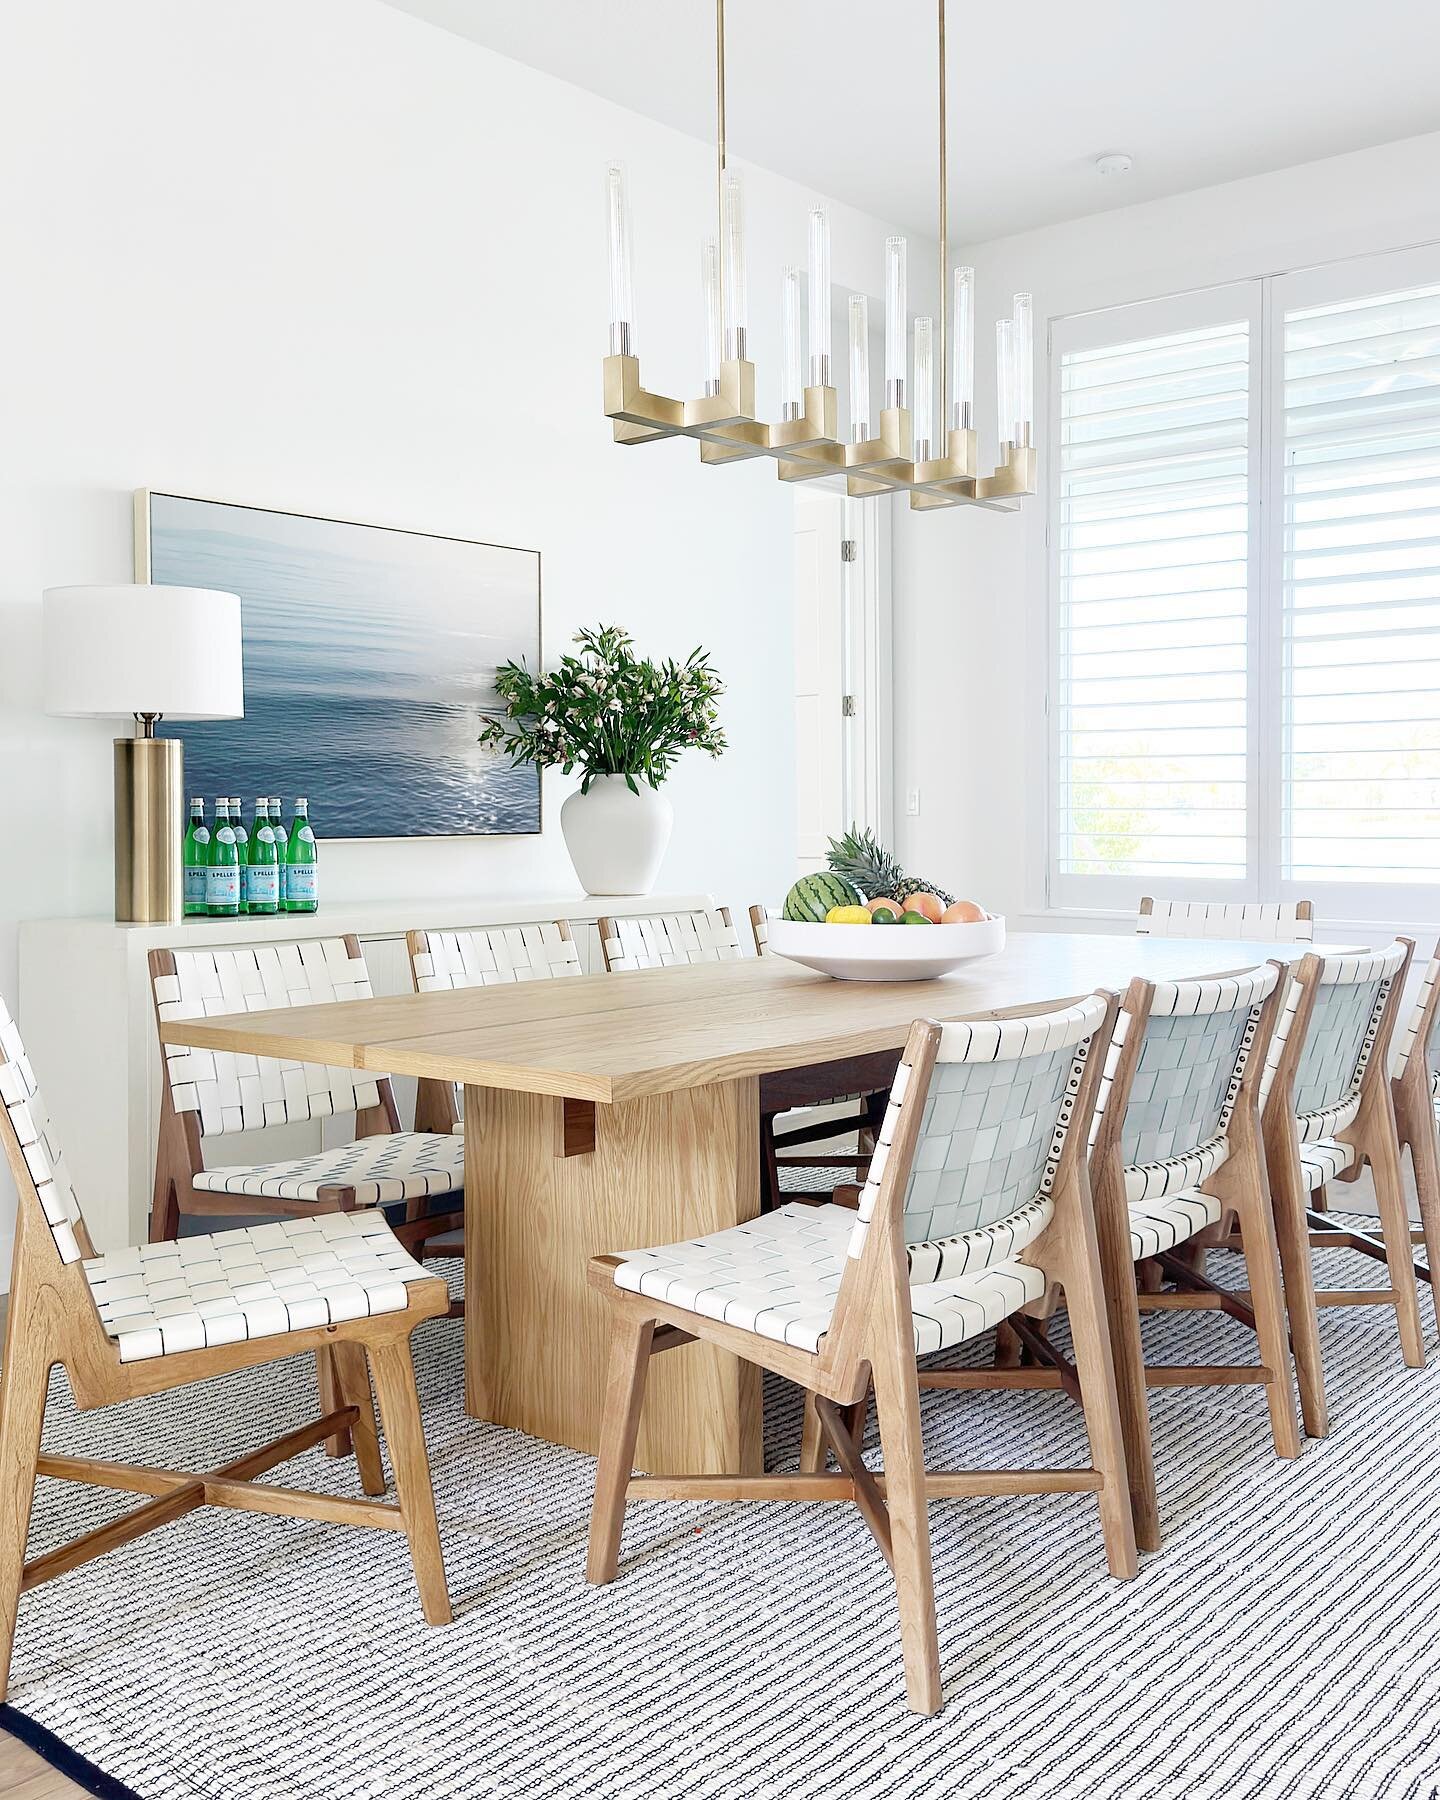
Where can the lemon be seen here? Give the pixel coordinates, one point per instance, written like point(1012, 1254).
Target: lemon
point(848, 915)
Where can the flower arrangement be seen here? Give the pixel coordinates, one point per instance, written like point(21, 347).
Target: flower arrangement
point(607, 712)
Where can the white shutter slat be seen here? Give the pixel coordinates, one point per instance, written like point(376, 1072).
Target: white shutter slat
point(1153, 517)
point(1360, 586)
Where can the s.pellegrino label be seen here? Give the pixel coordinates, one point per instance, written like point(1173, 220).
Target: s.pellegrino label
point(301, 887)
point(264, 887)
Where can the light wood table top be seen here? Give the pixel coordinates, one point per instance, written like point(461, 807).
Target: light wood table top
point(613, 1038)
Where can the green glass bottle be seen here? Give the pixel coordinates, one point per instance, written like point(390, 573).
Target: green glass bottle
point(242, 844)
point(302, 881)
point(196, 859)
point(262, 864)
point(282, 840)
point(222, 873)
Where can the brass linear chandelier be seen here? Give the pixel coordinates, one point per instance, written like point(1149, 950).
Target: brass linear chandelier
point(806, 443)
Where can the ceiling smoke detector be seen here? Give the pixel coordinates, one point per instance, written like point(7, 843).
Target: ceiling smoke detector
point(1114, 162)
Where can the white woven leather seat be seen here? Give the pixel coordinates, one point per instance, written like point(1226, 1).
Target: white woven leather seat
point(1157, 1225)
point(779, 1276)
point(1323, 1161)
point(162, 1299)
point(377, 1171)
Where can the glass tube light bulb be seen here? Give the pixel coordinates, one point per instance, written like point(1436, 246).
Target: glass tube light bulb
point(732, 263)
point(1024, 352)
point(1005, 381)
point(859, 368)
point(923, 385)
point(962, 353)
point(792, 361)
point(714, 337)
point(622, 299)
point(819, 285)
point(895, 321)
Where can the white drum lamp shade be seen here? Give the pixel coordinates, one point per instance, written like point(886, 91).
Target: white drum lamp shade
point(151, 652)
point(141, 649)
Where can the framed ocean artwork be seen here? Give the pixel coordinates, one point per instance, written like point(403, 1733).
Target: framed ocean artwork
point(370, 658)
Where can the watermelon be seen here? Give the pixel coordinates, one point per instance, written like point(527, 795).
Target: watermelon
point(813, 895)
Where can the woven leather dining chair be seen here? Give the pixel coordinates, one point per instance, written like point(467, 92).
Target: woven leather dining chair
point(859, 1082)
point(137, 1322)
point(493, 956)
point(209, 1095)
point(1284, 921)
point(1176, 1156)
point(978, 1201)
point(668, 940)
point(1327, 1108)
point(1415, 1090)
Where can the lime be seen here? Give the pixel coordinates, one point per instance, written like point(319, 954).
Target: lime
point(885, 915)
point(916, 918)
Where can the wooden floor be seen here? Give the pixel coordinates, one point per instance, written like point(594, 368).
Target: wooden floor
point(23, 1776)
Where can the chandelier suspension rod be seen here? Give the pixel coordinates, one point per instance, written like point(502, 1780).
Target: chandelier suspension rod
point(943, 306)
point(720, 111)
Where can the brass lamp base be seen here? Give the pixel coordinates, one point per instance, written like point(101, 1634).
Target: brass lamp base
point(149, 814)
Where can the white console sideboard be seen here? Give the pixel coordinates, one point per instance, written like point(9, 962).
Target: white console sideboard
point(89, 1025)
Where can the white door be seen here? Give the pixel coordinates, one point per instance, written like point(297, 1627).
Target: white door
point(819, 666)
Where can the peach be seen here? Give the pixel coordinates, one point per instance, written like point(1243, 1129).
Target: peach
point(925, 904)
point(963, 912)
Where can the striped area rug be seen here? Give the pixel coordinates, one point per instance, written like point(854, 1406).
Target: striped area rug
point(1285, 1644)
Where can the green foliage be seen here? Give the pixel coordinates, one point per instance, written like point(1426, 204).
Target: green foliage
point(607, 712)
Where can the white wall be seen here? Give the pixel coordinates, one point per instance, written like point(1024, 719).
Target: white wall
point(329, 258)
point(970, 587)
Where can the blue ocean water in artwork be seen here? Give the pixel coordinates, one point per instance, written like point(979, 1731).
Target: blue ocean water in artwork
point(370, 660)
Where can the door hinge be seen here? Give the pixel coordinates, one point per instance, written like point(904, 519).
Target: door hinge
point(849, 550)
point(848, 708)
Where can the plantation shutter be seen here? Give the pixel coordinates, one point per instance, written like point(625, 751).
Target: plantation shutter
point(1152, 581)
point(1360, 589)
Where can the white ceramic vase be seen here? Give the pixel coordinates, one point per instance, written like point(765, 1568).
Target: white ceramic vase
point(616, 838)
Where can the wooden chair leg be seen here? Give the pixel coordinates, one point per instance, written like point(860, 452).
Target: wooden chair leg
point(352, 1376)
point(1122, 1314)
point(1288, 1201)
point(1425, 1158)
point(1384, 1153)
point(770, 1191)
point(331, 1398)
point(1007, 1346)
point(1086, 1306)
point(1267, 1299)
point(897, 1404)
point(1320, 1200)
point(24, 1383)
point(164, 1210)
point(812, 1441)
point(620, 1424)
point(400, 1414)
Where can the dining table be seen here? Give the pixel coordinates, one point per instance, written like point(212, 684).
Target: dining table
point(606, 1113)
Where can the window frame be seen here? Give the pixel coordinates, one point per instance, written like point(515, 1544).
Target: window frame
point(1263, 302)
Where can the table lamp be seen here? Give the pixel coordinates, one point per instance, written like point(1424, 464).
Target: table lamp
point(147, 651)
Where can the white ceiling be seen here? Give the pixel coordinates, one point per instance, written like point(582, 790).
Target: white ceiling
point(840, 94)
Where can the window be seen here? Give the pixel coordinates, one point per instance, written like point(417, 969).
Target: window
point(1245, 593)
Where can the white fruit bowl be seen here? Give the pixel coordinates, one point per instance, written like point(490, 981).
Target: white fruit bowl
point(886, 952)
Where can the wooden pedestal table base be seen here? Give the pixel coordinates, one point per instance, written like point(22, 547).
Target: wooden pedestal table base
point(550, 1183)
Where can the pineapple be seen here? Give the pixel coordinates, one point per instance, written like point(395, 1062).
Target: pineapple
point(870, 866)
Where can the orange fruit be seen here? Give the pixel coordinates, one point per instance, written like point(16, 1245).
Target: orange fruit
point(925, 904)
point(963, 912)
